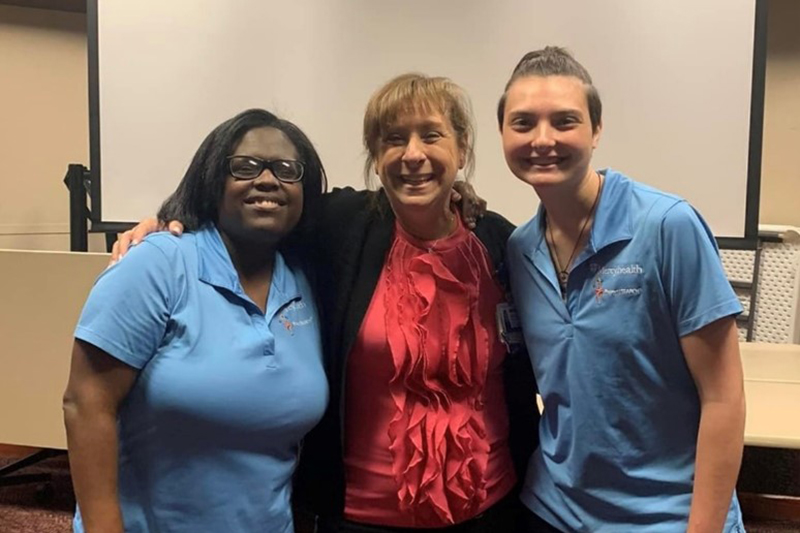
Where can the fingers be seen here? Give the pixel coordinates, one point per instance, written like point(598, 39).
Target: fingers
point(114, 252)
point(460, 203)
point(143, 229)
point(470, 215)
point(476, 210)
point(122, 245)
point(135, 235)
point(176, 228)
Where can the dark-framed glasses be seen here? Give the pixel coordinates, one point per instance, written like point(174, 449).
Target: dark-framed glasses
point(247, 167)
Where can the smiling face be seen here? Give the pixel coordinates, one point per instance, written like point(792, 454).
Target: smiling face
point(547, 132)
point(417, 161)
point(261, 210)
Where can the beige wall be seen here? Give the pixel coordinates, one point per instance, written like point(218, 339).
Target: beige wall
point(780, 180)
point(44, 122)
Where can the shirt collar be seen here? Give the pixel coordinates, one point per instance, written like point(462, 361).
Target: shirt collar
point(612, 221)
point(216, 268)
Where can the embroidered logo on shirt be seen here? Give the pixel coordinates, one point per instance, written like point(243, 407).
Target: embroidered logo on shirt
point(601, 291)
point(295, 305)
point(293, 315)
point(598, 289)
point(634, 269)
point(287, 324)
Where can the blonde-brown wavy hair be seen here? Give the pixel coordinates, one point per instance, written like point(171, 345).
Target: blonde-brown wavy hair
point(415, 92)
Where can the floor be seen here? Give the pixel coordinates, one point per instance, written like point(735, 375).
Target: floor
point(48, 508)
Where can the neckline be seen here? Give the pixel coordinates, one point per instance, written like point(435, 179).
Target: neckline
point(458, 235)
point(562, 273)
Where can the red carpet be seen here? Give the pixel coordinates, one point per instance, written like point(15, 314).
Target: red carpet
point(38, 507)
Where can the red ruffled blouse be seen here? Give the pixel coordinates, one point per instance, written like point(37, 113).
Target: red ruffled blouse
point(426, 424)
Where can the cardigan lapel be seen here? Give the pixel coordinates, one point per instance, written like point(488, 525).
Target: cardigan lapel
point(377, 240)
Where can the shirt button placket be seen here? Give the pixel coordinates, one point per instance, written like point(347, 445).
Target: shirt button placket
point(262, 327)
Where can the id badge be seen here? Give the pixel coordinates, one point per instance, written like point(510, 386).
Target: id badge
point(509, 327)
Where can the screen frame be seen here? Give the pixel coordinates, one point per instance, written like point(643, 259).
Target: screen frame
point(753, 187)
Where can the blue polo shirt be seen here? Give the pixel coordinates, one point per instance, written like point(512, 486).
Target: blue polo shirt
point(620, 423)
point(208, 435)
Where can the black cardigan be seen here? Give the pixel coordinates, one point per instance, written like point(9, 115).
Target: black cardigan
point(354, 231)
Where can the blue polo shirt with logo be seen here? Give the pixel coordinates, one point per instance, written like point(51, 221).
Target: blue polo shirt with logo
point(208, 435)
point(620, 423)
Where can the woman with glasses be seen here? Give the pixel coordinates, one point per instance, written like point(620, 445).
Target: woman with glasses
point(197, 362)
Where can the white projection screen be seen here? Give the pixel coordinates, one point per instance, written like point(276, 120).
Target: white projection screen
point(681, 83)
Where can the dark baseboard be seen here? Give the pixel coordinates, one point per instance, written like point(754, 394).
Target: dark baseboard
point(769, 507)
point(13, 451)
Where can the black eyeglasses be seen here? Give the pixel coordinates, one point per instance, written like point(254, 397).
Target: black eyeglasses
point(247, 167)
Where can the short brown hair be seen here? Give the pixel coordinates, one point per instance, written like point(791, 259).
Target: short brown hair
point(418, 92)
point(554, 61)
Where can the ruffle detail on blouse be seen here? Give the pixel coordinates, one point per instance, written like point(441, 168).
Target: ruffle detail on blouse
point(440, 351)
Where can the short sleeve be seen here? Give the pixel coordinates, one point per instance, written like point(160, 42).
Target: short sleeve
point(695, 283)
point(129, 307)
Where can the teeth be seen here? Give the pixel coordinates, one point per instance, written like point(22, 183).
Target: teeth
point(417, 181)
point(544, 162)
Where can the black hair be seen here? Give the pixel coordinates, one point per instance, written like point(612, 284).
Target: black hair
point(196, 200)
point(554, 61)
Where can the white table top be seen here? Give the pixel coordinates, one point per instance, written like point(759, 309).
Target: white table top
point(772, 390)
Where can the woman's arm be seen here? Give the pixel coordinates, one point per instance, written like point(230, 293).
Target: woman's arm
point(712, 354)
point(97, 384)
point(471, 206)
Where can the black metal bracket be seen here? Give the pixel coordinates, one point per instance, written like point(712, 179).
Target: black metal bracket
point(77, 181)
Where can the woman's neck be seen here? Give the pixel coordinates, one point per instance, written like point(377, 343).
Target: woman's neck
point(568, 207)
point(249, 257)
point(427, 224)
point(254, 263)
